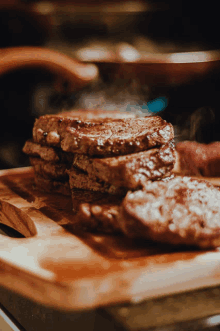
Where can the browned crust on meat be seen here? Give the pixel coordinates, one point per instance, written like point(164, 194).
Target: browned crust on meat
point(102, 137)
point(130, 171)
point(46, 153)
point(50, 129)
point(118, 137)
point(49, 170)
point(180, 211)
point(80, 180)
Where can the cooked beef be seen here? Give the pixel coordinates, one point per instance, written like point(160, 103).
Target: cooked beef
point(197, 159)
point(50, 129)
point(50, 154)
point(50, 169)
point(52, 186)
point(118, 137)
point(102, 137)
point(95, 211)
point(129, 171)
point(180, 211)
point(80, 180)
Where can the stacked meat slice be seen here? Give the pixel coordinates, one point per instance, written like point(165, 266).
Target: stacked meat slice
point(97, 157)
point(50, 162)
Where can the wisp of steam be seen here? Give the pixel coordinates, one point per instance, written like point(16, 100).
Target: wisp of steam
point(131, 98)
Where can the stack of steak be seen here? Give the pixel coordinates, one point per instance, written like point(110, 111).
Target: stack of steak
point(118, 169)
point(97, 156)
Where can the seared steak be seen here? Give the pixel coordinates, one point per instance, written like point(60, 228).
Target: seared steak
point(129, 171)
point(50, 154)
point(50, 129)
point(118, 137)
point(180, 211)
point(49, 169)
point(80, 180)
point(102, 137)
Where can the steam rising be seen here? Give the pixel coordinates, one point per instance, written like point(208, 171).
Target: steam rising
point(129, 97)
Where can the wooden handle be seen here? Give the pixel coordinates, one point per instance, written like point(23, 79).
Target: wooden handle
point(65, 68)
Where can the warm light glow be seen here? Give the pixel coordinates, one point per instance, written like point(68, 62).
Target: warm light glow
point(93, 54)
point(128, 53)
point(128, 6)
point(190, 57)
point(90, 71)
point(211, 321)
point(44, 8)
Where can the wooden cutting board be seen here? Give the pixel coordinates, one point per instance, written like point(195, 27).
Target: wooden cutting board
point(56, 266)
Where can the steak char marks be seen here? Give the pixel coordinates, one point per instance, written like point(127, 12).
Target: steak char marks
point(102, 137)
point(49, 130)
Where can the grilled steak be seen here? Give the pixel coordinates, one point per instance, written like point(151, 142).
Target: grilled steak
point(50, 154)
point(50, 129)
point(103, 137)
point(118, 137)
point(129, 171)
point(197, 159)
point(180, 211)
point(49, 169)
point(80, 180)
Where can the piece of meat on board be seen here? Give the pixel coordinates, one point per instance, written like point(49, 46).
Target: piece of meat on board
point(180, 211)
point(48, 129)
point(80, 180)
point(47, 153)
point(102, 137)
point(130, 171)
point(49, 169)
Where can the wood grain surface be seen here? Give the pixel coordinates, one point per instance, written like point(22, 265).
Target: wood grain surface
point(57, 266)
